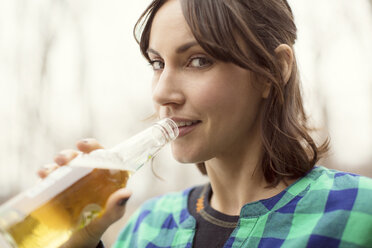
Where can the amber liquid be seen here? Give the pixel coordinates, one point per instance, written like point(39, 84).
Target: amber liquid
point(52, 224)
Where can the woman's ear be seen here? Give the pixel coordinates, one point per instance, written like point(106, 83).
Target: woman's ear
point(263, 85)
point(284, 54)
point(266, 90)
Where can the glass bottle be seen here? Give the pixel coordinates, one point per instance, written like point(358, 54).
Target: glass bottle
point(70, 197)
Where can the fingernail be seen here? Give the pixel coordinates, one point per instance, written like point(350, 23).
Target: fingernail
point(85, 141)
point(122, 202)
point(45, 167)
point(62, 154)
point(61, 159)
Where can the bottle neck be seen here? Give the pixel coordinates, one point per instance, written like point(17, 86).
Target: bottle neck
point(169, 129)
point(134, 152)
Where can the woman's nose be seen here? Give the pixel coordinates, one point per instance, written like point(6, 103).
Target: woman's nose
point(167, 89)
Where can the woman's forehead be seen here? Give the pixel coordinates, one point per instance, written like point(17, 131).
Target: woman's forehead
point(171, 12)
point(169, 27)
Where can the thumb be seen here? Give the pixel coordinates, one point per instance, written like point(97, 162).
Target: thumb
point(90, 235)
point(115, 206)
point(114, 210)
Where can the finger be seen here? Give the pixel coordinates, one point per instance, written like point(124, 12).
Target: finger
point(114, 210)
point(88, 145)
point(65, 156)
point(118, 199)
point(115, 206)
point(44, 171)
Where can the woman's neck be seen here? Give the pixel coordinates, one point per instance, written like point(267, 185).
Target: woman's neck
point(238, 180)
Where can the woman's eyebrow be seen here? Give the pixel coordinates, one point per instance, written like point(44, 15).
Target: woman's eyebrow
point(150, 50)
point(186, 46)
point(181, 49)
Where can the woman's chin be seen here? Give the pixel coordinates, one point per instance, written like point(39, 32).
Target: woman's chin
point(183, 157)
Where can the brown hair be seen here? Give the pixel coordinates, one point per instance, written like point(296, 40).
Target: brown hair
point(260, 26)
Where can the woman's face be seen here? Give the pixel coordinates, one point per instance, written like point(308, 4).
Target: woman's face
point(213, 101)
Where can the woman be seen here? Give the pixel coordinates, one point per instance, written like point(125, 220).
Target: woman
point(226, 72)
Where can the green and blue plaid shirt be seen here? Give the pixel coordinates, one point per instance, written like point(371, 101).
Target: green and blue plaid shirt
point(326, 208)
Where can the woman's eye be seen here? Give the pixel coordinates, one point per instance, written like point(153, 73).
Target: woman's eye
point(157, 64)
point(199, 62)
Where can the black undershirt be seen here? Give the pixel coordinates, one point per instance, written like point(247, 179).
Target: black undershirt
point(213, 228)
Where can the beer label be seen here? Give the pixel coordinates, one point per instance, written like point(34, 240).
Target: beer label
point(6, 240)
point(9, 216)
point(49, 181)
point(90, 212)
point(54, 184)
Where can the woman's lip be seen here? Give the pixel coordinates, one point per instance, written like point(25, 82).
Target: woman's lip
point(179, 119)
point(187, 129)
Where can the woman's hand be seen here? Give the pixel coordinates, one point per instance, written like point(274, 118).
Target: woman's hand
point(90, 236)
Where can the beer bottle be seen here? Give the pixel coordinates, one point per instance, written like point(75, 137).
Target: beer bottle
point(70, 197)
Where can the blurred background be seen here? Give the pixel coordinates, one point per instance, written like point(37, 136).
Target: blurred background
point(71, 69)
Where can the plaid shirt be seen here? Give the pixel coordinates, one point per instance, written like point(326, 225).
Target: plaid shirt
point(326, 208)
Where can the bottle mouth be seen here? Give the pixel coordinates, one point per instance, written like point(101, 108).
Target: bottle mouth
point(169, 128)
